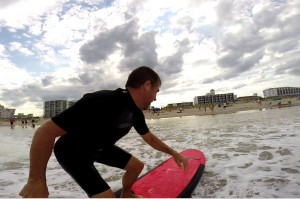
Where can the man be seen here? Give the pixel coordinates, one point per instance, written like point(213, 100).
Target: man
point(88, 131)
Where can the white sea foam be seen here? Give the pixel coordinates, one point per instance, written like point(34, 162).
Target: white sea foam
point(249, 154)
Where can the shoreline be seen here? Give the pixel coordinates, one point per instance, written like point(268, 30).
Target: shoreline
point(235, 107)
point(18, 122)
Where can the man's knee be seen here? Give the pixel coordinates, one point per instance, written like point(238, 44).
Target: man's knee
point(134, 164)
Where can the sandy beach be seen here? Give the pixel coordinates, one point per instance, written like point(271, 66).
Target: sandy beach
point(235, 107)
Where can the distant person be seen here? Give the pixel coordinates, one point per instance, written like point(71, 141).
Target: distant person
point(22, 123)
point(11, 121)
point(86, 140)
point(32, 123)
point(25, 123)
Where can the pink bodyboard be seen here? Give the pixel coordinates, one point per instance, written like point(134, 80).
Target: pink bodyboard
point(169, 181)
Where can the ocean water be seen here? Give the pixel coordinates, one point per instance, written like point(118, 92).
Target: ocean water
point(249, 154)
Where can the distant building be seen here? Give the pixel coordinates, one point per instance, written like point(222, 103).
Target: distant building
point(281, 91)
point(23, 116)
point(180, 105)
point(212, 98)
point(71, 103)
point(6, 113)
point(20, 115)
point(252, 98)
point(55, 107)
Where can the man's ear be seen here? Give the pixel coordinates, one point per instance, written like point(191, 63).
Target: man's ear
point(147, 84)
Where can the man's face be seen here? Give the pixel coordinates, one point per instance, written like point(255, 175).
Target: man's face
point(150, 95)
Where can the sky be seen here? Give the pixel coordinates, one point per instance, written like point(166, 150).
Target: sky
point(60, 49)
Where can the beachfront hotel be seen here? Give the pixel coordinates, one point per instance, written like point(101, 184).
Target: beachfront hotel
point(213, 98)
point(55, 107)
point(281, 91)
point(6, 113)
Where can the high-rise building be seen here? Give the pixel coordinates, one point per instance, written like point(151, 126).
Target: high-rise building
point(70, 103)
point(55, 107)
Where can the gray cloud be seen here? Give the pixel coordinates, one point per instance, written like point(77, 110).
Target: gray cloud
point(239, 86)
point(141, 52)
point(186, 21)
point(37, 93)
point(105, 43)
point(173, 64)
point(266, 30)
point(137, 50)
point(95, 78)
point(46, 81)
point(88, 80)
point(5, 3)
point(290, 66)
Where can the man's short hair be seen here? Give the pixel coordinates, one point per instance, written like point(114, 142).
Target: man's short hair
point(140, 75)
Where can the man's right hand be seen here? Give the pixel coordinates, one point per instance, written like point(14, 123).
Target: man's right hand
point(37, 189)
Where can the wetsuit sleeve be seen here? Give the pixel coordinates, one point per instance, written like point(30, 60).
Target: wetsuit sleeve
point(69, 118)
point(81, 116)
point(140, 124)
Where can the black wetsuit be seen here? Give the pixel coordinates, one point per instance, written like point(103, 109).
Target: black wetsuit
point(93, 125)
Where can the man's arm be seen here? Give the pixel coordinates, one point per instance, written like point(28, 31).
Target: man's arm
point(158, 144)
point(40, 152)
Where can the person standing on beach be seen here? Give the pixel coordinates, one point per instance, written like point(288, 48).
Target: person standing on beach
point(85, 140)
point(11, 121)
point(32, 123)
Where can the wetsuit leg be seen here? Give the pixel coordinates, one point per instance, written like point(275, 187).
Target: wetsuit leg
point(79, 163)
point(113, 156)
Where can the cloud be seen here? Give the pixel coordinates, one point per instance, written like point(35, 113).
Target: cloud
point(4, 4)
point(105, 43)
point(135, 50)
point(16, 46)
point(248, 35)
point(47, 80)
point(63, 49)
point(10, 74)
point(173, 64)
point(141, 51)
point(19, 14)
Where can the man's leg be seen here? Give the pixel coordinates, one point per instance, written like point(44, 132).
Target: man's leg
point(117, 157)
point(132, 171)
point(79, 164)
point(106, 194)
